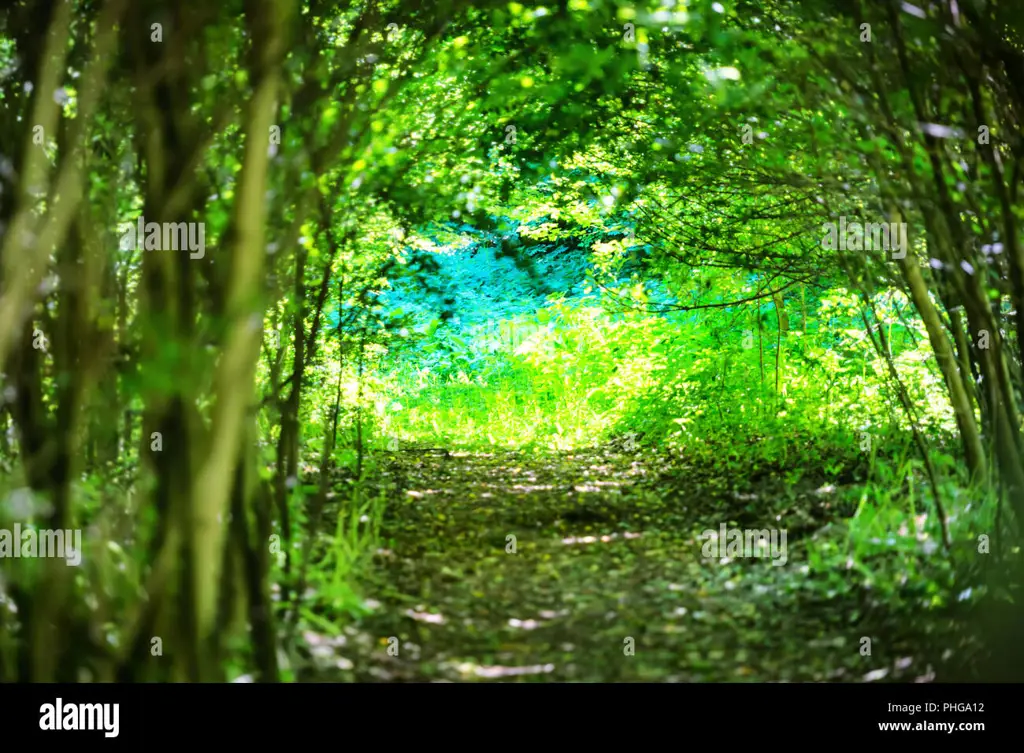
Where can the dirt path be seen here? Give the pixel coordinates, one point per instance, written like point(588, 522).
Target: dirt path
point(606, 582)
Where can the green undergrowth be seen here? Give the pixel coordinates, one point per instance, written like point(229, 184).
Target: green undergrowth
point(575, 373)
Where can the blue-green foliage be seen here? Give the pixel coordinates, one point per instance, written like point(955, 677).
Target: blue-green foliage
point(483, 277)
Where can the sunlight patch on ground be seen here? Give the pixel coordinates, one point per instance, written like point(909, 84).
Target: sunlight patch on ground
point(594, 539)
point(433, 619)
point(323, 650)
point(597, 487)
point(607, 470)
point(524, 624)
point(545, 615)
point(468, 668)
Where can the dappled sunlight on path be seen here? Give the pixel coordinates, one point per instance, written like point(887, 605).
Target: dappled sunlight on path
point(589, 566)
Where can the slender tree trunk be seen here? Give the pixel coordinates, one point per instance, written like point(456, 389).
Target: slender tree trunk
point(234, 378)
point(946, 361)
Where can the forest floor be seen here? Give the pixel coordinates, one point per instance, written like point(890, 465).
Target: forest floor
point(608, 582)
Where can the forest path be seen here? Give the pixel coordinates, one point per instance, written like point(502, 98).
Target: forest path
point(607, 581)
